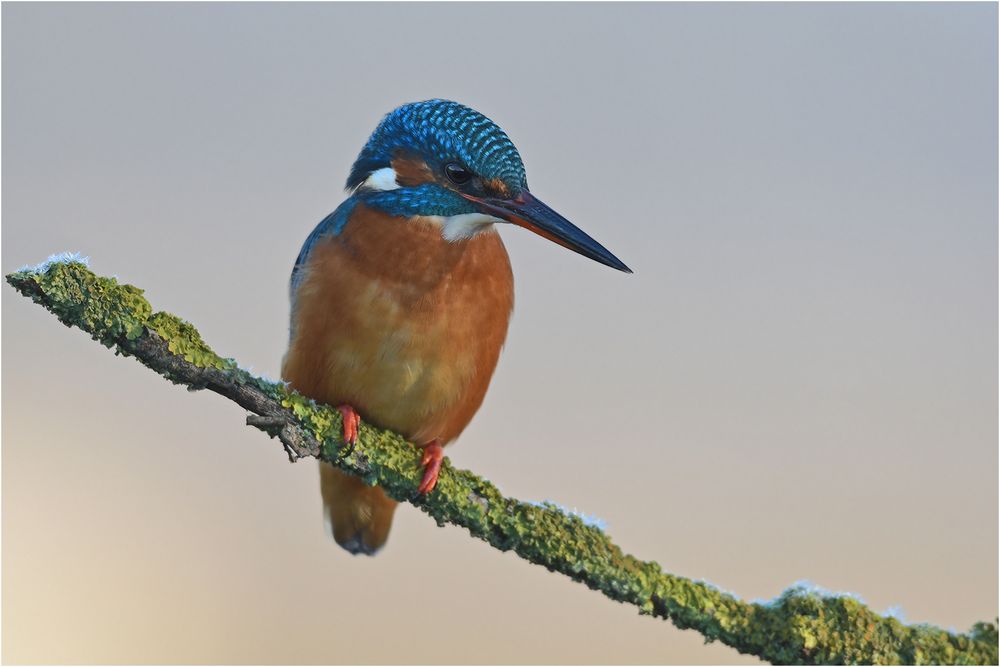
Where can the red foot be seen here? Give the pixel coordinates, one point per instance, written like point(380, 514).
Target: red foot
point(351, 424)
point(431, 461)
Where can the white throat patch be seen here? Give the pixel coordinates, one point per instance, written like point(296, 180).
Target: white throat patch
point(464, 226)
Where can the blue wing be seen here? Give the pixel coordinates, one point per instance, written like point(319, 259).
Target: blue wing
point(331, 225)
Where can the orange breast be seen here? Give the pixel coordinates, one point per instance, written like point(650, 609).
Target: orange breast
point(401, 324)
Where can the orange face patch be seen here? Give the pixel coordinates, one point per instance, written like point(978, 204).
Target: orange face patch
point(497, 188)
point(411, 171)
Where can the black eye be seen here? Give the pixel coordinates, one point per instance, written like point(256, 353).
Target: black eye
point(457, 173)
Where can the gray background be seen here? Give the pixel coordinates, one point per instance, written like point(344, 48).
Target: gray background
point(799, 381)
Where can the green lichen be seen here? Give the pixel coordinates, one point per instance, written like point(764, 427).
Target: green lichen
point(183, 339)
point(108, 310)
point(100, 306)
point(802, 626)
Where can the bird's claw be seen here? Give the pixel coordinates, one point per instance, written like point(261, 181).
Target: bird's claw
point(352, 422)
point(431, 462)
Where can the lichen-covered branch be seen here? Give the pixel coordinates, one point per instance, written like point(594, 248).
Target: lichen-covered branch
point(801, 626)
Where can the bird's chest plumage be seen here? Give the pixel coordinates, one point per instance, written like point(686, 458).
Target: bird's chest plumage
point(403, 325)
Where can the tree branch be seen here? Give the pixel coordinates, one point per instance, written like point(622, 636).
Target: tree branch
point(802, 626)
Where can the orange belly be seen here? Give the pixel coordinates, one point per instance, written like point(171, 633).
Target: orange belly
point(401, 324)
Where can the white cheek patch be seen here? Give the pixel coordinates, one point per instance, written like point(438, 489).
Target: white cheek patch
point(461, 227)
point(383, 179)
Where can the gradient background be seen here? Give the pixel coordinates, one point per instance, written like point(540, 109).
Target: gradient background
point(799, 381)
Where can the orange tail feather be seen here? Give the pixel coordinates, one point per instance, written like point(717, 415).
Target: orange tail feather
point(360, 516)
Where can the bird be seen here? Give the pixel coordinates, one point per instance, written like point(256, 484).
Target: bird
point(402, 296)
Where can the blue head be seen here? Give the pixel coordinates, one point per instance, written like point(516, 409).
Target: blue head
point(445, 162)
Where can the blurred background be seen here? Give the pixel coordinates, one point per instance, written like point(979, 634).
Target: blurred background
point(799, 381)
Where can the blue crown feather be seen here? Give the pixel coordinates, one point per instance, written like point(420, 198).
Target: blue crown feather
point(445, 131)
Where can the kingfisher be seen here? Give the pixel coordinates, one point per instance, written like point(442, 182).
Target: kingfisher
point(401, 297)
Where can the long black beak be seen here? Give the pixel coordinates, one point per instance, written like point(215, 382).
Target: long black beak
point(531, 213)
